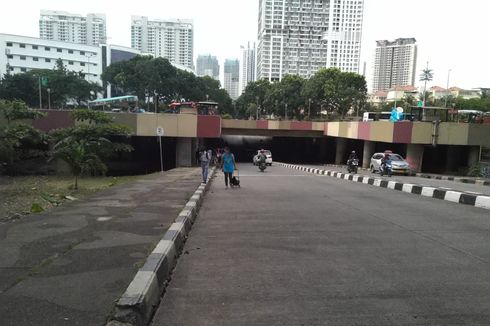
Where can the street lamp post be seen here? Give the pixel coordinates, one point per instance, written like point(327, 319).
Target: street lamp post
point(309, 108)
point(49, 98)
point(257, 108)
point(286, 112)
point(447, 87)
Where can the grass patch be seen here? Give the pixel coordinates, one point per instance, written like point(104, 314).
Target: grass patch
point(20, 196)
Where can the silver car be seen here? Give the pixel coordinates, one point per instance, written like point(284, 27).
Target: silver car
point(398, 163)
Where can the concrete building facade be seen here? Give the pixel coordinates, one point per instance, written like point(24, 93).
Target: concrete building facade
point(73, 28)
point(300, 37)
point(395, 63)
point(232, 77)
point(172, 39)
point(20, 54)
point(207, 65)
point(247, 66)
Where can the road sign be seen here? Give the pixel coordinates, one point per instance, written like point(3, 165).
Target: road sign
point(44, 81)
point(420, 104)
point(160, 131)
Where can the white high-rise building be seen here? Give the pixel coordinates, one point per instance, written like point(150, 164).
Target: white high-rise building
point(247, 66)
point(395, 64)
point(172, 39)
point(302, 36)
point(65, 27)
point(232, 77)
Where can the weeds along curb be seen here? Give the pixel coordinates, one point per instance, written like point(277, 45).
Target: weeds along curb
point(476, 200)
point(142, 297)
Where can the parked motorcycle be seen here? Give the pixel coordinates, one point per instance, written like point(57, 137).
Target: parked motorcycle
point(386, 169)
point(353, 166)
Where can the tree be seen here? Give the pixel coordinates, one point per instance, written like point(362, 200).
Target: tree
point(22, 87)
point(85, 147)
point(426, 76)
point(255, 92)
point(17, 138)
point(64, 85)
point(80, 155)
point(336, 91)
point(288, 92)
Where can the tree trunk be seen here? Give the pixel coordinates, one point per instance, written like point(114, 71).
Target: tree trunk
point(76, 182)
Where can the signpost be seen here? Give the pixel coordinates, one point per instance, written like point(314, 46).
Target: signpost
point(160, 133)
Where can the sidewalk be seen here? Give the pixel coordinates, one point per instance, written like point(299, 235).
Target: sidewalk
point(69, 266)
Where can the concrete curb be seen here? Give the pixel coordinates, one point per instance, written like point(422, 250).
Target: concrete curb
point(142, 297)
point(464, 198)
point(480, 182)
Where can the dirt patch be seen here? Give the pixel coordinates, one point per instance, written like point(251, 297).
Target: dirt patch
point(19, 195)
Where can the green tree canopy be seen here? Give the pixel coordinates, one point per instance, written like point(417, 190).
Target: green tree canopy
point(85, 147)
point(18, 139)
point(146, 76)
point(64, 85)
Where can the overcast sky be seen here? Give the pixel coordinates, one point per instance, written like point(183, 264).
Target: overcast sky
point(451, 34)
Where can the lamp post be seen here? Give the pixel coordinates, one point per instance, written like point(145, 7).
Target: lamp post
point(447, 87)
point(49, 98)
point(286, 112)
point(257, 109)
point(309, 108)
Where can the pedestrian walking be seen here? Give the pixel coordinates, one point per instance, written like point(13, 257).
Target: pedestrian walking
point(204, 159)
point(228, 166)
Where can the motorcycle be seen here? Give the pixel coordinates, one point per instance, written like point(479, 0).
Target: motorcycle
point(386, 169)
point(262, 166)
point(353, 166)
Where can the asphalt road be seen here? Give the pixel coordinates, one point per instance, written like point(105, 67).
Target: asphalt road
point(291, 248)
point(447, 184)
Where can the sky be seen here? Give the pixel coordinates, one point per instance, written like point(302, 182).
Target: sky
point(450, 34)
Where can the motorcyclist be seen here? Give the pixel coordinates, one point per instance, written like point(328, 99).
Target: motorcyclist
point(386, 158)
point(352, 156)
point(262, 157)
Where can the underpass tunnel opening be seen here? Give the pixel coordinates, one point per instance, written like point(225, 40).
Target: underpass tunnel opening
point(284, 149)
point(145, 157)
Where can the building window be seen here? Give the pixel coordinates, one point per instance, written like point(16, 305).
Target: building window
point(9, 56)
point(59, 50)
point(70, 51)
point(35, 59)
point(82, 64)
point(22, 57)
point(23, 69)
point(70, 62)
point(23, 46)
point(34, 47)
point(47, 48)
point(47, 60)
point(82, 53)
point(9, 44)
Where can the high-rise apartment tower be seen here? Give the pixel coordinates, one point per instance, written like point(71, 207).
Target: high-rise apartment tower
point(302, 36)
point(172, 39)
point(66, 27)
